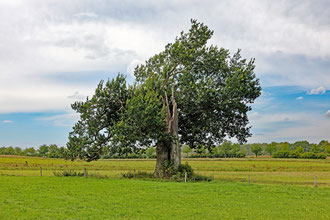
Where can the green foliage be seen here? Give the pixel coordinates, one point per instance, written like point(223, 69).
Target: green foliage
point(256, 149)
point(212, 89)
point(172, 174)
point(198, 178)
point(68, 173)
point(99, 118)
point(30, 151)
point(312, 155)
point(7, 151)
point(281, 154)
point(226, 150)
point(18, 151)
point(271, 148)
point(51, 151)
point(185, 168)
point(43, 150)
point(128, 156)
point(296, 154)
point(327, 149)
point(139, 174)
point(285, 150)
point(201, 150)
point(284, 146)
point(304, 144)
point(316, 148)
point(151, 152)
point(187, 150)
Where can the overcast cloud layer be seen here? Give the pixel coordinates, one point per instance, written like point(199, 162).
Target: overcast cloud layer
point(54, 52)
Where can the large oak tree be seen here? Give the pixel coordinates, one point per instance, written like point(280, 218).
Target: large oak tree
point(191, 93)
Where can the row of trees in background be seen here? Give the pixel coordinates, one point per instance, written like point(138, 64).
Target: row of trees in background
point(226, 149)
point(299, 149)
point(50, 151)
point(53, 151)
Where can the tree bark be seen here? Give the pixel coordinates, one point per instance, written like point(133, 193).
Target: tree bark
point(174, 131)
point(163, 155)
point(169, 150)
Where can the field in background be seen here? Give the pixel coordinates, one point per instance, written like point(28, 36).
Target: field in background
point(261, 170)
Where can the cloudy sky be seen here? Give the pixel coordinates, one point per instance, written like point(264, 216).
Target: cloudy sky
point(53, 52)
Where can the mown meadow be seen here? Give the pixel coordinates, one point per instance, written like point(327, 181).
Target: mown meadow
point(279, 189)
point(261, 170)
point(52, 197)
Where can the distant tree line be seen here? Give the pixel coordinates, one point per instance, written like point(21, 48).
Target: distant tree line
point(225, 150)
point(53, 151)
point(133, 153)
point(50, 151)
point(299, 149)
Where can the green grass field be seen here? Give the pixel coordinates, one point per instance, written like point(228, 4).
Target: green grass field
point(94, 198)
point(261, 170)
point(284, 190)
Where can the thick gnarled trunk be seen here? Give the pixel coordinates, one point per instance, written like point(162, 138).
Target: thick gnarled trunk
point(169, 150)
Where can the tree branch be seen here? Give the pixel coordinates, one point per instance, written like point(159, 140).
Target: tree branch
point(169, 74)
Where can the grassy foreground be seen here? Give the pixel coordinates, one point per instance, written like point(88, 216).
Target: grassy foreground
point(93, 198)
point(261, 170)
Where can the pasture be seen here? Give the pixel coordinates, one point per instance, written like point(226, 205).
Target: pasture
point(93, 198)
point(261, 170)
point(284, 190)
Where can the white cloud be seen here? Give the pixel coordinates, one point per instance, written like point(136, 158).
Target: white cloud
point(254, 115)
point(319, 90)
point(39, 38)
point(77, 96)
point(327, 114)
point(303, 126)
point(7, 121)
point(300, 98)
point(62, 120)
point(263, 120)
point(86, 14)
point(131, 67)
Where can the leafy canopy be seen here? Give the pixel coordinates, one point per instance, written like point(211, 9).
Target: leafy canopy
point(212, 89)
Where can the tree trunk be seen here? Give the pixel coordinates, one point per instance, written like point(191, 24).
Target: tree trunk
point(169, 150)
point(174, 131)
point(163, 155)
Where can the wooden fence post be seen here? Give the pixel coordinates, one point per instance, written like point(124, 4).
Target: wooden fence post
point(40, 171)
point(315, 181)
point(185, 177)
point(85, 172)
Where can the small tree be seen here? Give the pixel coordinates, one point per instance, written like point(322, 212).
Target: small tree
point(187, 150)
point(18, 151)
point(29, 151)
point(327, 150)
point(271, 148)
point(256, 149)
point(151, 152)
point(53, 151)
point(201, 150)
point(10, 151)
point(316, 148)
point(43, 150)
